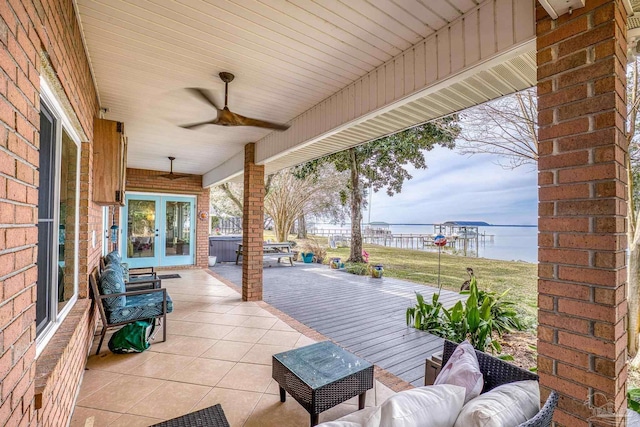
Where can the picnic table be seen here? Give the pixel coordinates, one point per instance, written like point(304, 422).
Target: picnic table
point(277, 250)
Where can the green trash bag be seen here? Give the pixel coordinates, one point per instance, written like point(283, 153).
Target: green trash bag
point(132, 338)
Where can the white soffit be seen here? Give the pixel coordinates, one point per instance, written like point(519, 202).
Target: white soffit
point(486, 53)
point(287, 55)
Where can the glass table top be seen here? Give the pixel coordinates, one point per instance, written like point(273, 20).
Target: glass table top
point(321, 363)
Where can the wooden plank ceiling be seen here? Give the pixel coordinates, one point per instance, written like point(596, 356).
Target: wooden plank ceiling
point(288, 56)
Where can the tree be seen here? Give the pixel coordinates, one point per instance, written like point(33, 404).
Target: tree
point(506, 126)
point(380, 164)
point(633, 178)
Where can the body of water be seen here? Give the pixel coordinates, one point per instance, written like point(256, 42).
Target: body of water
point(510, 243)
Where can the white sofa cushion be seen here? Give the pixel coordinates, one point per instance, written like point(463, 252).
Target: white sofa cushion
point(431, 406)
point(462, 369)
point(507, 405)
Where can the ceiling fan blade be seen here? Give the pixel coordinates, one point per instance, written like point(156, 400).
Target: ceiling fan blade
point(172, 176)
point(202, 94)
point(197, 125)
point(248, 121)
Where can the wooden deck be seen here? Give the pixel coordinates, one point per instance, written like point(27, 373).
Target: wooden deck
point(365, 316)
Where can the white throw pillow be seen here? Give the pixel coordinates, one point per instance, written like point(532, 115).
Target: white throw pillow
point(430, 406)
point(507, 405)
point(367, 417)
point(462, 369)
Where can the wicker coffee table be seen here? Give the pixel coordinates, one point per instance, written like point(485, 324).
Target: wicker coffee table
point(321, 376)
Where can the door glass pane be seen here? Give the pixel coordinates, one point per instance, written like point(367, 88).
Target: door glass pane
point(178, 232)
point(141, 228)
point(67, 226)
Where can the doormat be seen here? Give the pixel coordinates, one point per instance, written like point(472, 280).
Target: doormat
point(169, 276)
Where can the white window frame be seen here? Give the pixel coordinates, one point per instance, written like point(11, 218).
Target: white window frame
point(62, 123)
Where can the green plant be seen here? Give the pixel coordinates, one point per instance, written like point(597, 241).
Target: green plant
point(633, 399)
point(472, 321)
point(357, 268)
point(477, 319)
point(427, 317)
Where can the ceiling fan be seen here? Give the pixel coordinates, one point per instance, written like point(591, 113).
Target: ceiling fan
point(225, 116)
point(172, 175)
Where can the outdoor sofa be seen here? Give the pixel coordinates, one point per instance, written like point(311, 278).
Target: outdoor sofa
point(495, 372)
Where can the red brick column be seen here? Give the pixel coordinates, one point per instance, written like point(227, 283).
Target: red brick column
point(252, 226)
point(582, 208)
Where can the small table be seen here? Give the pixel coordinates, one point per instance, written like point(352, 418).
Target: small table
point(321, 376)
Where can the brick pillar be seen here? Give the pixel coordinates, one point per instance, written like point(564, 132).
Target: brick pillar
point(252, 226)
point(582, 209)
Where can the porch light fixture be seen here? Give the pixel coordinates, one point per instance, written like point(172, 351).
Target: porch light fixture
point(556, 8)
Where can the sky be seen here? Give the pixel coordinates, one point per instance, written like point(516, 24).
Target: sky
point(459, 187)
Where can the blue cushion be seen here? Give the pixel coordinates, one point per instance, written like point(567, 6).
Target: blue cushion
point(111, 257)
point(112, 282)
point(142, 306)
point(125, 271)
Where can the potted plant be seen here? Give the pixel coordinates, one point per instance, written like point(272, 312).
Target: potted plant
point(377, 271)
point(334, 263)
point(307, 257)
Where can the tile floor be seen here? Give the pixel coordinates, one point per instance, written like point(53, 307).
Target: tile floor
point(218, 350)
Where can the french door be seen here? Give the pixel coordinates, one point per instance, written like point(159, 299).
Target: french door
point(158, 230)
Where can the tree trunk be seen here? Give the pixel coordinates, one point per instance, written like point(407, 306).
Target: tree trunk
point(302, 227)
point(356, 209)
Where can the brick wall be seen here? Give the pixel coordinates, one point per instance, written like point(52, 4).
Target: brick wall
point(252, 226)
point(26, 28)
point(149, 181)
point(582, 208)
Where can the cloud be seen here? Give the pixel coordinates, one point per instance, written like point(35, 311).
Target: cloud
point(456, 187)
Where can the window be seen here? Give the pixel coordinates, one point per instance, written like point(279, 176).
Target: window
point(58, 205)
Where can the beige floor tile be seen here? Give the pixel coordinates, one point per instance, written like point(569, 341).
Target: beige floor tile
point(181, 327)
point(177, 399)
point(233, 299)
point(338, 411)
point(121, 394)
point(382, 393)
point(263, 353)
point(212, 331)
point(273, 387)
point(250, 335)
point(186, 346)
point(230, 319)
point(236, 404)
point(163, 366)
point(280, 338)
point(178, 298)
point(249, 377)
point(228, 350)
point(270, 412)
point(282, 326)
point(118, 362)
point(92, 417)
point(203, 372)
point(248, 310)
point(93, 380)
point(304, 341)
point(128, 420)
point(202, 317)
point(218, 308)
point(259, 322)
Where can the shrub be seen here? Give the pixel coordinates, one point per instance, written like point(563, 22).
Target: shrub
point(357, 268)
point(482, 314)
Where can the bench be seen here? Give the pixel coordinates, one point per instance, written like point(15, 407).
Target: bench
point(273, 251)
